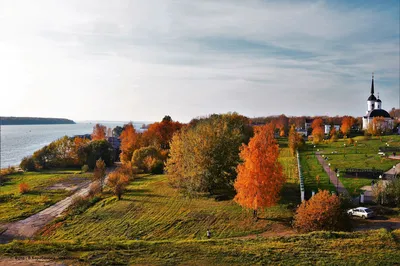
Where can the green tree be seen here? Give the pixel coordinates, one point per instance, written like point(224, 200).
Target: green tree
point(204, 157)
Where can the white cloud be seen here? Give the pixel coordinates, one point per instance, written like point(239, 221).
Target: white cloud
point(139, 60)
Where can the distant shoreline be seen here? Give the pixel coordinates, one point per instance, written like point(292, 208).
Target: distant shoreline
point(10, 120)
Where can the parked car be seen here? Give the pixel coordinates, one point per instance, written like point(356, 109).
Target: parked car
point(381, 153)
point(361, 212)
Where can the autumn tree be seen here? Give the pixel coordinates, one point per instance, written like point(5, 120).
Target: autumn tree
point(322, 212)
point(333, 134)
point(347, 123)
point(130, 141)
point(204, 157)
point(317, 130)
point(294, 140)
point(260, 177)
point(159, 134)
point(117, 181)
point(377, 127)
point(99, 132)
point(99, 173)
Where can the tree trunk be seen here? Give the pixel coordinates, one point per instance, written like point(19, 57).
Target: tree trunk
point(255, 215)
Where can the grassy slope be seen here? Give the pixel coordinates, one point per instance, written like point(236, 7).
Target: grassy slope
point(14, 206)
point(364, 156)
point(152, 210)
point(324, 248)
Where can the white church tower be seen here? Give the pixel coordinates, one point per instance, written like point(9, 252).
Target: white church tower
point(372, 99)
point(374, 109)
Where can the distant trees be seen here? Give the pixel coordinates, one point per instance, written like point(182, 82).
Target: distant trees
point(28, 164)
point(260, 177)
point(99, 132)
point(317, 130)
point(322, 212)
point(204, 157)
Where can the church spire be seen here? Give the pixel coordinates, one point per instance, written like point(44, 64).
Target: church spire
point(372, 84)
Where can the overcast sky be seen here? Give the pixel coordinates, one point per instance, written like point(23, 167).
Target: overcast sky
point(141, 60)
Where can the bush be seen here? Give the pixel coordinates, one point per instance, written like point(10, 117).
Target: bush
point(23, 188)
point(322, 212)
point(157, 168)
point(28, 164)
point(144, 158)
point(94, 189)
point(117, 181)
point(85, 168)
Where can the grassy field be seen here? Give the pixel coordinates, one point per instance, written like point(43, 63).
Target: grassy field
point(363, 155)
point(322, 248)
point(14, 206)
point(152, 210)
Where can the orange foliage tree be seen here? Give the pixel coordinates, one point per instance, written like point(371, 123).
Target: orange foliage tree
point(318, 131)
point(99, 132)
point(333, 134)
point(160, 134)
point(347, 123)
point(294, 140)
point(260, 178)
point(130, 141)
point(322, 212)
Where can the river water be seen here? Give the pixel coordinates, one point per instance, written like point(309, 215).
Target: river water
point(20, 141)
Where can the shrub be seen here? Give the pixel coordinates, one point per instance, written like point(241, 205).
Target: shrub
point(143, 158)
point(94, 189)
point(157, 168)
point(85, 168)
point(23, 188)
point(79, 204)
point(117, 181)
point(28, 164)
point(322, 212)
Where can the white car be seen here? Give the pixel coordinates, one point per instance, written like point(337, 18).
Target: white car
point(381, 153)
point(361, 212)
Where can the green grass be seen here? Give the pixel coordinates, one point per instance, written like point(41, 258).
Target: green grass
point(152, 210)
point(310, 169)
point(14, 206)
point(364, 155)
point(319, 248)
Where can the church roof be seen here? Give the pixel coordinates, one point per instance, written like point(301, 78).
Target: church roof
point(379, 100)
point(378, 112)
point(372, 98)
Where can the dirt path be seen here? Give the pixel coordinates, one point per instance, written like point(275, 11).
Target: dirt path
point(28, 227)
point(332, 175)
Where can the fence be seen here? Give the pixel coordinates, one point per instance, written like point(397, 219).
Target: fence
point(301, 178)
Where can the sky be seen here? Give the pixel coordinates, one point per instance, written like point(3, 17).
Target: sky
point(140, 60)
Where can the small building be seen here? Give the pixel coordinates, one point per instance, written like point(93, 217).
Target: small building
point(328, 128)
